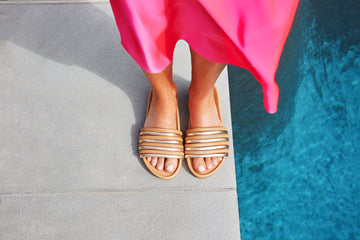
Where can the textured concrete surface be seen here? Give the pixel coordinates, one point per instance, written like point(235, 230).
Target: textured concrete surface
point(72, 102)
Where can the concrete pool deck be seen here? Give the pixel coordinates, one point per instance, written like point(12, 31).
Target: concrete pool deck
point(72, 103)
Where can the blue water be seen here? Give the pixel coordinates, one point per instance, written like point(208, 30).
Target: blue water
point(298, 171)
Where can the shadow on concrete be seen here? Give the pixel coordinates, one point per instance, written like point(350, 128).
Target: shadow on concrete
point(86, 36)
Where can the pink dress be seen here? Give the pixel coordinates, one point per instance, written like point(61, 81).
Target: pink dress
point(247, 33)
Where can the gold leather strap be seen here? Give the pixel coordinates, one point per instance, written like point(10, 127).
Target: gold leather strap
point(161, 142)
point(206, 142)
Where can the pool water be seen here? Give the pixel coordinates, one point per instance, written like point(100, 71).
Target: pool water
point(298, 171)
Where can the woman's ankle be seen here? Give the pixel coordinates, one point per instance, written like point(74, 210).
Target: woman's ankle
point(197, 95)
point(165, 93)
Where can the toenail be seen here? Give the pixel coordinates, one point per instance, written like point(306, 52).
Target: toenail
point(159, 167)
point(201, 168)
point(148, 158)
point(170, 168)
point(210, 166)
point(216, 162)
point(153, 163)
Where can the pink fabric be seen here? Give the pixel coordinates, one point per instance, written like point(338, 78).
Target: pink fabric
point(247, 33)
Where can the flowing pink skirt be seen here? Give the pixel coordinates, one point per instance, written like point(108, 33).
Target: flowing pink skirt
point(247, 33)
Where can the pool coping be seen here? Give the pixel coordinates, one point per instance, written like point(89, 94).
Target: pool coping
point(69, 169)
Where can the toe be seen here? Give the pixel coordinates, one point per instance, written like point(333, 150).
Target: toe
point(154, 161)
point(160, 163)
point(170, 164)
point(209, 163)
point(199, 165)
point(216, 160)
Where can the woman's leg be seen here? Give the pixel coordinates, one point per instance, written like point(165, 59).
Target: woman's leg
point(202, 108)
point(162, 112)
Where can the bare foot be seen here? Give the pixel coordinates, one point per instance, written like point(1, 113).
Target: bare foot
point(162, 114)
point(203, 113)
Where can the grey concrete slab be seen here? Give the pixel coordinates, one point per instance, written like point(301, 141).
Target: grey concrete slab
point(73, 102)
point(132, 215)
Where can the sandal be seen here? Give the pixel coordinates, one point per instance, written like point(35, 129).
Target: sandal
point(207, 142)
point(161, 142)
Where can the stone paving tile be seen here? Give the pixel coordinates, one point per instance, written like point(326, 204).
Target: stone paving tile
point(72, 104)
point(132, 215)
point(71, 97)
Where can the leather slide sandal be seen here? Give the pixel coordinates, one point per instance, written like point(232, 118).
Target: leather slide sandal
point(161, 142)
point(207, 142)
